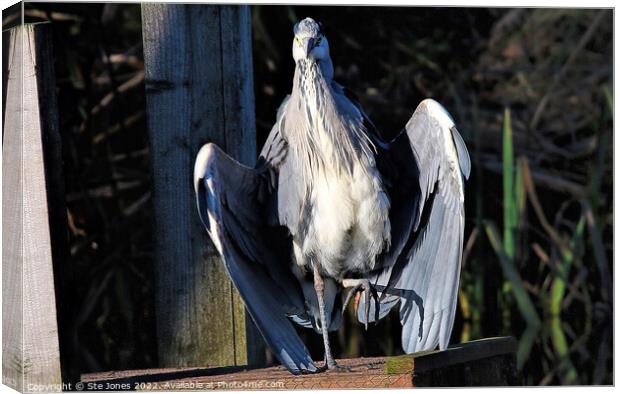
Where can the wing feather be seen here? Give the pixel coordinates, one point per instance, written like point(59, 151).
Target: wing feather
point(425, 276)
point(254, 251)
point(432, 272)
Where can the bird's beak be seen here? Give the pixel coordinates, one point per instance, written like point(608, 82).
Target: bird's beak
point(308, 45)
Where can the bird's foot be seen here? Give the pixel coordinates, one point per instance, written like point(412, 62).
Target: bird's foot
point(331, 365)
point(361, 287)
point(334, 368)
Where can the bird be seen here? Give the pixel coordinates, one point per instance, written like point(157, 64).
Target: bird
point(333, 211)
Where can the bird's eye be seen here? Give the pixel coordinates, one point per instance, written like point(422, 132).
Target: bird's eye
point(318, 41)
point(297, 41)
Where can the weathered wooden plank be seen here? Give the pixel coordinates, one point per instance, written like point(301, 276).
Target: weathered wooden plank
point(488, 362)
point(12, 220)
point(30, 340)
point(199, 89)
point(237, 83)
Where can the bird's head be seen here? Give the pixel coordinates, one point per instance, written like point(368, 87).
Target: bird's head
point(309, 42)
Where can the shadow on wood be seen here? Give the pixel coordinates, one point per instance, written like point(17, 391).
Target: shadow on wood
point(486, 362)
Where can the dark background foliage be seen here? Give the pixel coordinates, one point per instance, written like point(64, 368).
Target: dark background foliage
point(551, 68)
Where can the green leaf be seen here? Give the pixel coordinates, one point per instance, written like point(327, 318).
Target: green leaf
point(519, 194)
point(609, 99)
point(558, 289)
point(524, 302)
point(569, 373)
point(558, 286)
point(510, 212)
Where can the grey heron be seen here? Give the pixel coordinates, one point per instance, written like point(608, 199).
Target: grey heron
point(331, 205)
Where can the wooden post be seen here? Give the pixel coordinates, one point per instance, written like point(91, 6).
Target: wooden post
point(198, 89)
point(30, 333)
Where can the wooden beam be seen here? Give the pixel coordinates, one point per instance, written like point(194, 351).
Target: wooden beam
point(487, 362)
point(199, 89)
point(30, 332)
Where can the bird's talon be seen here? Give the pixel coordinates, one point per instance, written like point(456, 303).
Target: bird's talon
point(340, 368)
point(361, 287)
point(327, 366)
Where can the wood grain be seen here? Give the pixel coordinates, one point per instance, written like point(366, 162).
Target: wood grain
point(488, 362)
point(30, 333)
point(199, 89)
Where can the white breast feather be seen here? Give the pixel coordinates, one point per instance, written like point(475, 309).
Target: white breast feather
point(350, 224)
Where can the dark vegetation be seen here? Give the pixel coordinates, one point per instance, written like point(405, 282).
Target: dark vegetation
point(530, 90)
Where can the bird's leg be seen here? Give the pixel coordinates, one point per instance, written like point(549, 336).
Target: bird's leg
point(319, 287)
point(364, 286)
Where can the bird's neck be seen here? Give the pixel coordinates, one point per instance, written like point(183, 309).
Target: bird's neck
point(312, 92)
point(328, 135)
point(312, 88)
point(310, 70)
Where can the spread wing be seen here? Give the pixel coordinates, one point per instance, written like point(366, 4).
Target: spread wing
point(424, 271)
point(238, 209)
